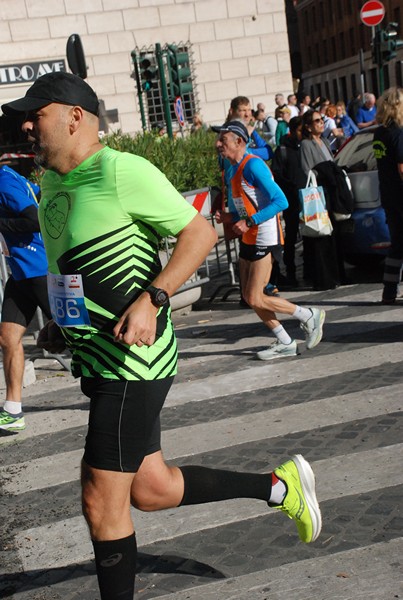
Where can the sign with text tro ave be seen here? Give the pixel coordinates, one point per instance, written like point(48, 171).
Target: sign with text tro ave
point(178, 107)
point(372, 13)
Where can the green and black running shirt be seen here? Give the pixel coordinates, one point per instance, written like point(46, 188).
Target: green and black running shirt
point(104, 221)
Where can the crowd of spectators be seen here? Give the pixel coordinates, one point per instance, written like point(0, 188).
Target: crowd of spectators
point(302, 135)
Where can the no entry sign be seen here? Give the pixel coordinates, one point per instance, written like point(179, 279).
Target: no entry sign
point(372, 13)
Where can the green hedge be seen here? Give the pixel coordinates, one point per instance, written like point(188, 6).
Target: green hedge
point(189, 163)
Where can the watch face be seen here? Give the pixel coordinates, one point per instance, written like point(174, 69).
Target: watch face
point(161, 297)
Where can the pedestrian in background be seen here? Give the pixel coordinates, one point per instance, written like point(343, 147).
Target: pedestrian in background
point(354, 105)
point(283, 116)
point(320, 255)
point(305, 103)
point(388, 150)
point(344, 121)
point(366, 115)
point(266, 126)
point(289, 175)
point(331, 132)
point(116, 206)
point(26, 287)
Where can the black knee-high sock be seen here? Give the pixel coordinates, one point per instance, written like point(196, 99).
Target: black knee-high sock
point(211, 485)
point(116, 567)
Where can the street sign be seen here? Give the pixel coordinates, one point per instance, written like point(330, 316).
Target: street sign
point(178, 108)
point(372, 13)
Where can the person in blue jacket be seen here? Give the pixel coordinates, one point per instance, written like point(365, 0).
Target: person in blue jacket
point(344, 121)
point(26, 287)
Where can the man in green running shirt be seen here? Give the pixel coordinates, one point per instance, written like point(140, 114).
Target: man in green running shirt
point(102, 215)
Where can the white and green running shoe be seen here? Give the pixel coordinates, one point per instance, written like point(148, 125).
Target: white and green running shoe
point(278, 350)
point(313, 328)
point(12, 422)
point(300, 503)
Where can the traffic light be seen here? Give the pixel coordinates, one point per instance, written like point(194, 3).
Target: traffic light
point(148, 71)
point(385, 44)
point(179, 72)
point(390, 43)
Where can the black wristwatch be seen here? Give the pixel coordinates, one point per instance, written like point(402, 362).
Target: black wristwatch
point(159, 297)
point(249, 222)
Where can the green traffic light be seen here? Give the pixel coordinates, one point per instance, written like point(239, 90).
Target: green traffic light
point(179, 71)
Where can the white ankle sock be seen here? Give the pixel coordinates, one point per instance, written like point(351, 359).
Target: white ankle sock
point(13, 407)
point(302, 314)
point(278, 492)
point(282, 335)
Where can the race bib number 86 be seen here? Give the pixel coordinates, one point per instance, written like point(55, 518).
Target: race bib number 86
point(66, 298)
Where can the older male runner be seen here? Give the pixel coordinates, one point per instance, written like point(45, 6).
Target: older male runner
point(255, 202)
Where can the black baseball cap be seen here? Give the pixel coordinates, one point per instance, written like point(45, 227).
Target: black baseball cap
point(236, 127)
point(59, 87)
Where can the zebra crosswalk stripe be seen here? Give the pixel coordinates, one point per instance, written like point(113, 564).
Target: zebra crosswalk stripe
point(364, 572)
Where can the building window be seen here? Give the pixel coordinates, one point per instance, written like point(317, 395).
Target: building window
point(325, 52)
point(309, 57)
point(342, 45)
point(334, 50)
point(374, 82)
point(362, 35)
point(330, 11)
point(343, 86)
point(352, 42)
point(335, 91)
point(322, 14)
point(307, 27)
point(396, 18)
point(353, 84)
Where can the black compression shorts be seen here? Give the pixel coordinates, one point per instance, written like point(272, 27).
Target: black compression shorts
point(22, 298)
point(124, 422)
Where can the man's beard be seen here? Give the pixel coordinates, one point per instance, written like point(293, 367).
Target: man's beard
point(40, 158)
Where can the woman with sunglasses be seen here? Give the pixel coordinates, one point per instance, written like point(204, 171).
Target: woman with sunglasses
point(321, 261)
point(314, 148)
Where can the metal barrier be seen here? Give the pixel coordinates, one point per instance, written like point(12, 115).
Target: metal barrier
point(202, 200)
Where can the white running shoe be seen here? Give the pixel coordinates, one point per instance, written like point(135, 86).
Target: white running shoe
point(278, 350)
point(314, 327)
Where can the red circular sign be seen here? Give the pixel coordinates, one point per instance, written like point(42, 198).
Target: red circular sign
point(372, 13)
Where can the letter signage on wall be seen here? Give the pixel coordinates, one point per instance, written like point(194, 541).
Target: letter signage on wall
point(29, 72)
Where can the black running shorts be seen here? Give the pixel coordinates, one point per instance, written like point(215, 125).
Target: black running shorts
point(252, 253)
point(124, 421)
point(22, 298)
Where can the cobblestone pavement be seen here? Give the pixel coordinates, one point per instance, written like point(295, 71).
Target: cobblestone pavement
point(339, 405)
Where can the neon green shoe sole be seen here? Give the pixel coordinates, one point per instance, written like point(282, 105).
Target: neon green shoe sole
point(11, 422)
point(300, 502)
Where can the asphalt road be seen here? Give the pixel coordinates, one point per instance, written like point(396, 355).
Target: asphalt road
point(340, 405)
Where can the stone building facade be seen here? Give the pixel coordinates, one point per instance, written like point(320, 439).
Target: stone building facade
point(238, 47)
